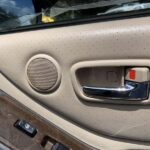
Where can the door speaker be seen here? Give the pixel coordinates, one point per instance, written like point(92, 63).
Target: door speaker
point(43, 73)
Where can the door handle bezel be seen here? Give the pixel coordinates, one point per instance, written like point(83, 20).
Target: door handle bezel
point(78, 87)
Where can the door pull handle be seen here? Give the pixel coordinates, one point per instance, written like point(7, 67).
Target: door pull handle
point(130, 91)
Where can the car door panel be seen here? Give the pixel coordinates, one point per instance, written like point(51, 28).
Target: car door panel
point(119, 43)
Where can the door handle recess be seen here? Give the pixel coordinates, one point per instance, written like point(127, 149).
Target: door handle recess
point(130, 91)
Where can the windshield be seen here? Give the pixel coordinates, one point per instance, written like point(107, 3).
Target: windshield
point(19, 13)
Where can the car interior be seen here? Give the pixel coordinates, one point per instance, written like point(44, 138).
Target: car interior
point(75, 75)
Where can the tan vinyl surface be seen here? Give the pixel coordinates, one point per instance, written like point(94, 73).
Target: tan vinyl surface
point(95, 42)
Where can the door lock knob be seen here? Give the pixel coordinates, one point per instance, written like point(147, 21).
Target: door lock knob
point(138, 74)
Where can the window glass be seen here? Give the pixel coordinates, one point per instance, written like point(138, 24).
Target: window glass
point(19, 13)
point(15, 13)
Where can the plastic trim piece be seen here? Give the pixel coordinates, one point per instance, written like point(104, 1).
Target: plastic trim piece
point(105, 63)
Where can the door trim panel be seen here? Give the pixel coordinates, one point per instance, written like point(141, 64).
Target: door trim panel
point(96, 141)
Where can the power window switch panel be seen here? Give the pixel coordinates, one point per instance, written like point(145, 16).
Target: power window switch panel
point(138, 74)
point(58, 146)
point(26, 128)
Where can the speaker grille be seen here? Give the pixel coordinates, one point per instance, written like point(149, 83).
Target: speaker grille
point(42, 74)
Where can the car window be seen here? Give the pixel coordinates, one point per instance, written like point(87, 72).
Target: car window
point(20, 13)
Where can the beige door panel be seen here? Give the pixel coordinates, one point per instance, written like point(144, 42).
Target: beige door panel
point(99, 42)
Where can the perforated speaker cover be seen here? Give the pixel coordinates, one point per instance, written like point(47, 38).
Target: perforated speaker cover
point(42, 74)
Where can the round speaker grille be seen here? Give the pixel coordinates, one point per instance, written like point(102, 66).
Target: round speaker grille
point(42, 74)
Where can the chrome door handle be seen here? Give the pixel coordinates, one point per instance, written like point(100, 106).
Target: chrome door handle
point(131, 91)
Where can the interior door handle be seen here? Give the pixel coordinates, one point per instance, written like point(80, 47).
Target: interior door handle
point(130, 91)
